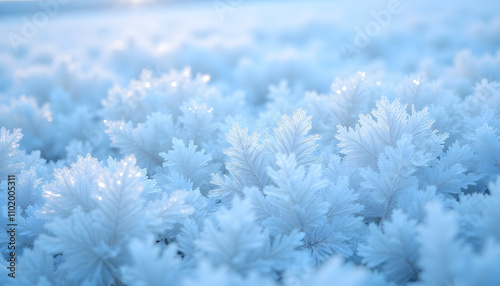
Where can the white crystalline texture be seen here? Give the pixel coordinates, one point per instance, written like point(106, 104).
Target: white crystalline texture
point(154, 142)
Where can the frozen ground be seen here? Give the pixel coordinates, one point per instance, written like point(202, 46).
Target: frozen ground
point(404, 198)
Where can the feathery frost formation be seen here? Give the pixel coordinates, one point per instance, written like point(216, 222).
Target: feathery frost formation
point(386, 200)
point(270, 161)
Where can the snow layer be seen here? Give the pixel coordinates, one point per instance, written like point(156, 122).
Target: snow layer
point(252, 143)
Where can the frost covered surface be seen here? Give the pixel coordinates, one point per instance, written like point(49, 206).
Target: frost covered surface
point(254, 144)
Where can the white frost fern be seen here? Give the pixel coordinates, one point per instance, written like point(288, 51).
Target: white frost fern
point(247, 159)
point(290, 136)
point(363, 144)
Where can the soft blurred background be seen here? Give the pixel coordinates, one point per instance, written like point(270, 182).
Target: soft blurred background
point(247, 44)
